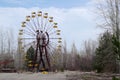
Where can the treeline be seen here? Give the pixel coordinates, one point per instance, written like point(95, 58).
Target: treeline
point(7, 48)
point(74, 59)
point(103, 56)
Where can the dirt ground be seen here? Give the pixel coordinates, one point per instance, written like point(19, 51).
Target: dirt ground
point(90, 76)
point(67, 75)
point(32, 76)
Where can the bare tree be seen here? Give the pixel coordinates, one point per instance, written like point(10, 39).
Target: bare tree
point(87, 54)
point(1, 42)
point(74, 52)
point(109, 10)
point(110, 15)
point(11, 42)
point(65, 59)
point(6, 44)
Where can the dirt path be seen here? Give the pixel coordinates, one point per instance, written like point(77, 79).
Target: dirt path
point(32, 76)
point(90, 76)
point(67, 75)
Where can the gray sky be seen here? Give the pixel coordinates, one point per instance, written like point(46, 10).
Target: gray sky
point(75, 18)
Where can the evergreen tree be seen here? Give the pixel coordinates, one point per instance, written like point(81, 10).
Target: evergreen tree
point(105, 59)
point(116, 46)
point(29, 57)
point(30, 53)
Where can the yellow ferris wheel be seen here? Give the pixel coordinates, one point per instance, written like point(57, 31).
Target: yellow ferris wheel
point(40, 31)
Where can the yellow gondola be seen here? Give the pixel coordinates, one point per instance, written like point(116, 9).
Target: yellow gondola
point(54, 26)
point(23, 25)
point(58, 33)
point(50, 20)
point(39, 14)
point(33, 13)
point(27, 19)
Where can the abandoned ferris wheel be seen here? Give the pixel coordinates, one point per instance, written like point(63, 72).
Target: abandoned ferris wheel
point(42, 33)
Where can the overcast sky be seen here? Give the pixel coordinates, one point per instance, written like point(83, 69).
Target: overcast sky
point(76, 18)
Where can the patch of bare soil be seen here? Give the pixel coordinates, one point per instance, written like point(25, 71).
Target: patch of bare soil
point(90, 76)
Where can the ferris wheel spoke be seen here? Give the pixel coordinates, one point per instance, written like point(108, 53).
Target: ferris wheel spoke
point(51, 53)
point(29, 24)
point(51, 49)
point(25, 45)
point(34, 23)
point(28, 38)
point(52, 32)
point(42, 23)
point(53, 43)
point(52, 46)
point(49, 28)
point(30, 30)
point(27, 33)
point(39, 27)
point(39, 22)
point(45, 25)
point(53, 38)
